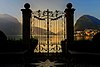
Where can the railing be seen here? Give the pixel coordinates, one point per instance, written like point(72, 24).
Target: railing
point(54, 42)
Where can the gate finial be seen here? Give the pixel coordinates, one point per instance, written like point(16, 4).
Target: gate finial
point(27, 5)
point(69, 5)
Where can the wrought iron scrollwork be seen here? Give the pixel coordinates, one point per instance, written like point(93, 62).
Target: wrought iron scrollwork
point(49, 42)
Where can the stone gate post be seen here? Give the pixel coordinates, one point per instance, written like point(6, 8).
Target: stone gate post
point(26, 16)
point(69, 15)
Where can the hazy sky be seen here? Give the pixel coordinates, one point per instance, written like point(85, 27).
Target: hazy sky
point(13, 7)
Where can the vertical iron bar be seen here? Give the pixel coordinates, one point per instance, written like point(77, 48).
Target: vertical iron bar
point(56, 36)
point(39, 38)
point(48, 30)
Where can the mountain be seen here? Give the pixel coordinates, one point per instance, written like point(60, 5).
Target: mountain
point(9, 25)
point(41, 31)
point(87, 22)
point(61, 32)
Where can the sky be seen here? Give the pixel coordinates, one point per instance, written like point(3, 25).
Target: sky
point(86, 7)
point(83, 7)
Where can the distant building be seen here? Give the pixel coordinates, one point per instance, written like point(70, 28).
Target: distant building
point(86, 34)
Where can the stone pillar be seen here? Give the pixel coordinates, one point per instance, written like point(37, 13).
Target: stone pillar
point(26, 16)
point(69, 15)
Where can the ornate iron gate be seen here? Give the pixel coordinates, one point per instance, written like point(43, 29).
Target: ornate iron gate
point(49, 28)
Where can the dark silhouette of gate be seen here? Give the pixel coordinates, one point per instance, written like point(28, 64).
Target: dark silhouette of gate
point(49, 28)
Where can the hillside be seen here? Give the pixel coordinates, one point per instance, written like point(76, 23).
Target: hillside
point(41, 31)
point(9, 25)
point(87, 22)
